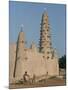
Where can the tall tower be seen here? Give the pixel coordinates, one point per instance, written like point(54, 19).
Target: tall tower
point(46, 46)
point(45, 38)
point(20, 54)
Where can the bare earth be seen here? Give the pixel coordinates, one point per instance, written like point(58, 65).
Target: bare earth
point(44, 83)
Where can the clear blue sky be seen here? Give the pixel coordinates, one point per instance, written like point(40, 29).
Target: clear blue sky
point(29, 14)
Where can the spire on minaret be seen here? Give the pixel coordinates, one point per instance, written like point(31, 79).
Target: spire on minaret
point(45, 12)
point(21, 34)
point(22, 26)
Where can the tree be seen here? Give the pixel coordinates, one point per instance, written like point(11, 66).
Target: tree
point(62, 62)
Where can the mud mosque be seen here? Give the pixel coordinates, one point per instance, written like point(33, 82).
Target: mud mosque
point(41, 62)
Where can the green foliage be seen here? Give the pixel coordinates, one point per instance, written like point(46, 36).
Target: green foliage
point(62, 62)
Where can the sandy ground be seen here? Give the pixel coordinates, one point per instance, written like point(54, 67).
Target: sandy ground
point(44, 83)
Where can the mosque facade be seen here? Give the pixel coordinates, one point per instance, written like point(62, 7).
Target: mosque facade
point(41, 62)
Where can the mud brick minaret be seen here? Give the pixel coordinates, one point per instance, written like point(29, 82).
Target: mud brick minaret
point(45, 46)
point(45, 38)
point(20, 54)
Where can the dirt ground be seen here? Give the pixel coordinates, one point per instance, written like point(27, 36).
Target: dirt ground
point(43, 83)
